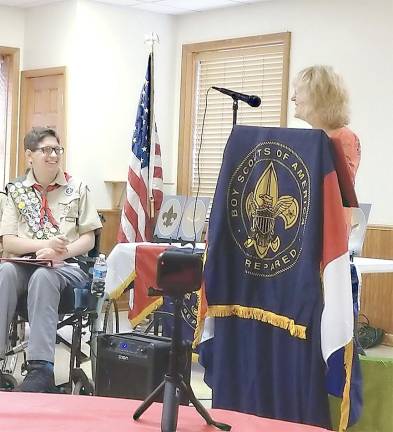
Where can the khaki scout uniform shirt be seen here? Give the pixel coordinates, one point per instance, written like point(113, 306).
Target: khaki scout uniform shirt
point(70, 204)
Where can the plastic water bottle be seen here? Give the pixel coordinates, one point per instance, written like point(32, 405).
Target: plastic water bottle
point(99, 275)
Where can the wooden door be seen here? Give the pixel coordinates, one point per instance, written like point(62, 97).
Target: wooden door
point(42, 104)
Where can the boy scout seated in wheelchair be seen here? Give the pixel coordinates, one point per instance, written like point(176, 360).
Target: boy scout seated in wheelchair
point(50, 214)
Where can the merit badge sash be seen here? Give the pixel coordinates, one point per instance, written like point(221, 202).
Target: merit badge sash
point(28, 202)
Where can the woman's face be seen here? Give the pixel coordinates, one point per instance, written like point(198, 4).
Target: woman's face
point(45, 160)
point(301, 102)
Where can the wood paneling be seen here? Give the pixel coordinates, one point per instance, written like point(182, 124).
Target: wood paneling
point(377, 289)
point(109, 230)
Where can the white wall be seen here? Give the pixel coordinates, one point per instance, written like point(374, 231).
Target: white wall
point(103, 48)
point(106, 78)
point(356, 38)
point(11, 27)
point(49, 34)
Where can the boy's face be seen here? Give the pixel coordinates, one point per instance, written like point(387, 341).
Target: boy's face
point(45, 160)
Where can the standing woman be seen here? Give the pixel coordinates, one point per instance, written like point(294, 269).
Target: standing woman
point(321, 100)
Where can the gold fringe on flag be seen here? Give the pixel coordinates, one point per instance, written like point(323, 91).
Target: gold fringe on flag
point(200, 322)
point(148, 310)
point(115, 294)
point(200, 319)
point(221, 311)
point(346, 401)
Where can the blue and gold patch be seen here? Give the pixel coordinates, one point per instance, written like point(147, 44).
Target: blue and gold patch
point(268, 203)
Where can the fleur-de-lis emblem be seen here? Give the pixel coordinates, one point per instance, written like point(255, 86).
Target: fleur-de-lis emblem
point(263, 206)
point(169, 217)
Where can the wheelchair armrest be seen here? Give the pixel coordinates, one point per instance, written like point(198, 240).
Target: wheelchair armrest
point(86, 264)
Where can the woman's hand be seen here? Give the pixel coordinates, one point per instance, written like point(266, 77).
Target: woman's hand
point(58, 244)
point(49, 253)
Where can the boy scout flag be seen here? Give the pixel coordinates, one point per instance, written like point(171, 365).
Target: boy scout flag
point(278, 282)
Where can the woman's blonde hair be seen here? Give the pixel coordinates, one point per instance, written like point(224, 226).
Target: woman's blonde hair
point(326, 95)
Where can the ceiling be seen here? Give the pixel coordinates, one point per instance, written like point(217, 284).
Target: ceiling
point(172, 7)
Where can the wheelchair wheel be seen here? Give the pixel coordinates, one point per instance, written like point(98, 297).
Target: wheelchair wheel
point(84, 388)
point(7, 382)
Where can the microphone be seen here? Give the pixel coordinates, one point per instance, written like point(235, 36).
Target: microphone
point(251, 100)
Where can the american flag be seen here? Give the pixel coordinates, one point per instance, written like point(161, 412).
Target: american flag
point(144, 183)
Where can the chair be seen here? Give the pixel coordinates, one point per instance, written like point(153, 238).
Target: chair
point(78, 308)
point(359, 226)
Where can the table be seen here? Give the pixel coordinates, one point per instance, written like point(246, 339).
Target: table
point(137, 262)
point(121, 271)
point(373, 265)
point(37, 412)
point(121, 266)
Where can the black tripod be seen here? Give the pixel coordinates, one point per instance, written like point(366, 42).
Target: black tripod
point(173, 384)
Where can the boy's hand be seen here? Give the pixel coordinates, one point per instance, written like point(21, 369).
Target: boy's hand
point(58, 244)
point(49, 253)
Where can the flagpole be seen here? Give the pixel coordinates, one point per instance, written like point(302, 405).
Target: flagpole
point(152, 39)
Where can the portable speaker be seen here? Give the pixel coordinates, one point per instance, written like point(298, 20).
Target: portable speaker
point(132, 365)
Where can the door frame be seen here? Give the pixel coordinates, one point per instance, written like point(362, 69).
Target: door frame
point(14, 53)
point(25, 75)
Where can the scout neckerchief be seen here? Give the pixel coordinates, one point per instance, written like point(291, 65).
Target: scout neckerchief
point(36, 212)
point(45, 210)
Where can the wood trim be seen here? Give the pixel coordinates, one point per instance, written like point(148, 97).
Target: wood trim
point(242, 42)
point(8, 50)
point(285, 87)
point(110, 229)
point(186, 98)
point(388, 339)
point(65, 135)
point(34, 73)
point(377, 289)
point(189, 52)
point(22, 123)
point(14, 53)
point(378, 242)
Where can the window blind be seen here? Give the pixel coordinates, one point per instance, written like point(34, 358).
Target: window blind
point(256, 70)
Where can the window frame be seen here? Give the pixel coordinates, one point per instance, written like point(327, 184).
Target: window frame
point(187, 93)
point(14, 54)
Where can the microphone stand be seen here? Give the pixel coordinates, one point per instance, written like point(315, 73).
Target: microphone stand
point(235, 107)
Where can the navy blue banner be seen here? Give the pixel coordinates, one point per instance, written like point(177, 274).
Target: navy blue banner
point(262, 275)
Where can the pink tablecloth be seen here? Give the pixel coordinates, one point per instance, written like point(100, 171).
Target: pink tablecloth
point(32, 412)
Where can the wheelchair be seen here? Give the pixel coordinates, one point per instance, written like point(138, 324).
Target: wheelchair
point(78, 308)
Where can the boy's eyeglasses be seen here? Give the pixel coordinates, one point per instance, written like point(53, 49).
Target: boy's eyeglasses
point(48, 150)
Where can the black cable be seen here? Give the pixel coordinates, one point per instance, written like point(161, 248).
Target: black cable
point(198, 165)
